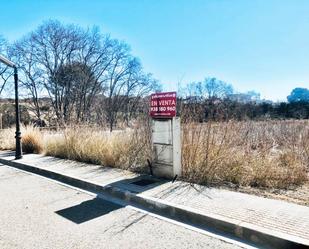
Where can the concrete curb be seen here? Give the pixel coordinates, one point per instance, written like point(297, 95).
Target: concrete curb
point(256, 236)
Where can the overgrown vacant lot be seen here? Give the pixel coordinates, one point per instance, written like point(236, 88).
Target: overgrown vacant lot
point(263, 154)
point(270, 156)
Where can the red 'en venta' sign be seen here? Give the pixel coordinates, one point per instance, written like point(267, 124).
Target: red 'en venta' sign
point(163, 105)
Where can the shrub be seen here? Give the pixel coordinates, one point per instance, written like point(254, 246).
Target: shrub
point(32, 140)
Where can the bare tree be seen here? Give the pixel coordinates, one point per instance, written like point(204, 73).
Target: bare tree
point(139, 86)
point(54, 46)
point(214, 88)
point(79, 68)
point(4, 72)
point(126, 84)
point(97, 55)
point(120, 69)
point(31, 75)
point(79, 86)
point(209, 88)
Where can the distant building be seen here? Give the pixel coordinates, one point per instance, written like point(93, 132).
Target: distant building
point(248, 97)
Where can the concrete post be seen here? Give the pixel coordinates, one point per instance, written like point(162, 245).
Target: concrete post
point(176, 146)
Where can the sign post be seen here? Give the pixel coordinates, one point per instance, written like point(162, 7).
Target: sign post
point(166, 134)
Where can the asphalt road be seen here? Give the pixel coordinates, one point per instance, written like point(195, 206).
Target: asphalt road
point(39, 213)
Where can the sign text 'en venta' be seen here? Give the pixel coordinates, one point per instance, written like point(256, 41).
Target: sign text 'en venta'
point(163, 105)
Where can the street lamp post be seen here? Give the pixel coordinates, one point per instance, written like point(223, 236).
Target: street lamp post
point(18, 152)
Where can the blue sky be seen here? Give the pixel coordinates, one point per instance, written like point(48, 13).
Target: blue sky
point(261, 45)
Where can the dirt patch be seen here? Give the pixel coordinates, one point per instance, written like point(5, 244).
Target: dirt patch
point(298, 195)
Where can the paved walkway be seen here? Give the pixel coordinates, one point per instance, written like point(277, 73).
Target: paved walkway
point(275, 216)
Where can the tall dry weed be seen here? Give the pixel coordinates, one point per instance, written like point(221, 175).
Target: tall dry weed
point(127, 149)
point(262, 154)
point(265, 154)
point(32, 140)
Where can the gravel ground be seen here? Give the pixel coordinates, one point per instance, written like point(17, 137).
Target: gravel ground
point(38, 213)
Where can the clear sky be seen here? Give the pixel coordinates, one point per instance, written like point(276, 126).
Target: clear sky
point(252, 44)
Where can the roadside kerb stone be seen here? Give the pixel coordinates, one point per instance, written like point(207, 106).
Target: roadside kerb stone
point(246, 232)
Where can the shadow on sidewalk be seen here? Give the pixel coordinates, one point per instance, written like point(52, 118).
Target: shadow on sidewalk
point(139, 184)
point(7, 153)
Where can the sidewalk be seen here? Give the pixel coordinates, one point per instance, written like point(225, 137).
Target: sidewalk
point(265, 222)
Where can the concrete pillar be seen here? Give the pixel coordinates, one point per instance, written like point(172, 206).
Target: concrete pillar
point(166, 142)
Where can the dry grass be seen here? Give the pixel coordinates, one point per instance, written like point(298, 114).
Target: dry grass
point(122, 149)
point(271, 154)
point(32, 140)
point(7, 141)
point(264, 154)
